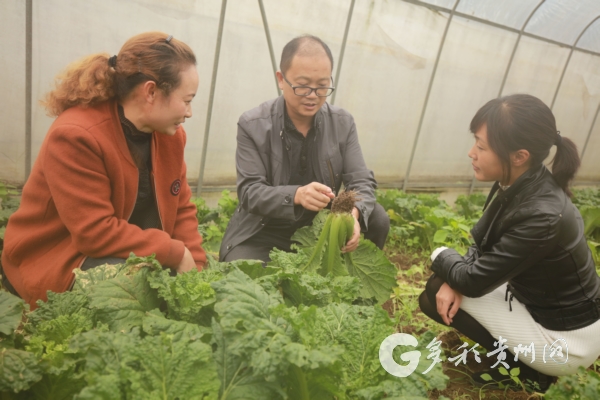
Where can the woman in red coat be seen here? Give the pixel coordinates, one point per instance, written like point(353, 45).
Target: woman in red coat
point(110, 177)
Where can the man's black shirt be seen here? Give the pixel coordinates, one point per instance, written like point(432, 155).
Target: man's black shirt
point(303, 158)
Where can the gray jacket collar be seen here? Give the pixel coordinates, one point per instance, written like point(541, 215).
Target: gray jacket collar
point(279, 113)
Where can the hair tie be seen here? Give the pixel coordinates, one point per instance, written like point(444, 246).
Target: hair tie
point(112, 61)
point(558, 139)
point(168, 40)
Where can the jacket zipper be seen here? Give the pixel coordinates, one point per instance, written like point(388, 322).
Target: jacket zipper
point(285, 178)
point(331, 175)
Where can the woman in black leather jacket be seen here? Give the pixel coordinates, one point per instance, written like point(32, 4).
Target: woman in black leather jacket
point(527, 290)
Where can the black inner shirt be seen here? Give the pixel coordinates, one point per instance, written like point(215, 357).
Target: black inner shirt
point(303, 161)
point(145, 213)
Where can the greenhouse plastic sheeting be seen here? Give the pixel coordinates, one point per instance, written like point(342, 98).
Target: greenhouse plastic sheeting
point(511, 13)
point(563, 20)
point(456, 96)
point(388, 66)
point(592, 152)
point(541, 60)
point(591, 38)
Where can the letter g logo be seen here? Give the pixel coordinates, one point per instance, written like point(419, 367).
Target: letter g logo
point(412, 357)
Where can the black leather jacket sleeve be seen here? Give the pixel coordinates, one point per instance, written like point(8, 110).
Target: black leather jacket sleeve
point(531, 236)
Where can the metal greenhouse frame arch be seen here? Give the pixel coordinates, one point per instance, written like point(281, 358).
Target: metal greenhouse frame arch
point(569, 59)
point(451, 12)
point(510, 61)
point(211, 98)
point(435, 66)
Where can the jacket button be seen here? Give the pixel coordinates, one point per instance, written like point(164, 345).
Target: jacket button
point(287, 199)
point(240, 209)
point(228, 247)
point(337, 175)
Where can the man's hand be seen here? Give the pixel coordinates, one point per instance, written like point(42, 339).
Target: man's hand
point(352, 243)
point(187, 263)
point(448, 302)
point(314, 196)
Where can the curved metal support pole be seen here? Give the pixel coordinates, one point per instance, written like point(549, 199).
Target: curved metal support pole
point(211, 97)
point(512, 56)
point(510, 61)
point(269, 43)
point(343, 49)
point(437, 61)
point(569, 59)
point(28, 78)
point(496, 25)
point(589, 134)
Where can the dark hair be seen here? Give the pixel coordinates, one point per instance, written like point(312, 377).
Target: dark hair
point(522, 121)
point(148, 56)
point(291, 49)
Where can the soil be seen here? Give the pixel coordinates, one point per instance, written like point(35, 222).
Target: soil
point(404, 261)
point(344, 202)
point(460, 385)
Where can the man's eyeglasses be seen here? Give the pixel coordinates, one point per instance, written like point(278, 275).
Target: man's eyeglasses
point(307, 90)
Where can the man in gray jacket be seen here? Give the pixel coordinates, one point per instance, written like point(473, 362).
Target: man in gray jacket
point(293, 154)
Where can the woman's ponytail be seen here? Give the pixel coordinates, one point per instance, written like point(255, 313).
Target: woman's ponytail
point(566, 162)
point(85, 82)
point(150, 56)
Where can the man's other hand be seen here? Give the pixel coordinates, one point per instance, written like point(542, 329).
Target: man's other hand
point(352, 243)
point(314, 197)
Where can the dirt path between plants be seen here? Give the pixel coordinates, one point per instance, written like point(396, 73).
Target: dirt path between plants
point(460, 385)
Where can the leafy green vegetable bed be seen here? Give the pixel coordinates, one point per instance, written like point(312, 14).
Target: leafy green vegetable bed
point(422, 222)
point(234, 331)
point(9, 202)
point(306, 326)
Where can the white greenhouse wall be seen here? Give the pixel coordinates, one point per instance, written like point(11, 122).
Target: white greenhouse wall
point(542, 61)
point(12, 91)
point(577, 102)
point(389, 58)
point(456, 96)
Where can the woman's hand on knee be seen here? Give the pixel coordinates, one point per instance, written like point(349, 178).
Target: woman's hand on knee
point(187, 263)
point(448, 302)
